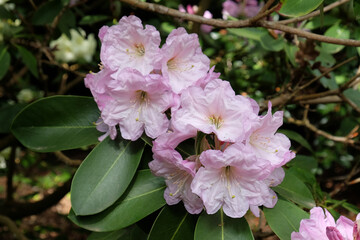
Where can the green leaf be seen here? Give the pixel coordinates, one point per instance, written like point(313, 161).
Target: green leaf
point(315, 22)
point(47, 12)
point(145, 195)
point(130, 233)
point(307, 163)
point(292, 188)
point(66, 22)
point(268, 42)
point(173, 222)
point(297, 138)
point(284, 218)
point(335, 31)
point(104, 175)
point(7, 115)
point(5, 60)
point(261, 35)
point(290, 51)
point(57, 123)
point(29, 60)
point(250, 33)
point(91, 19)
point(296, 8)
point(219, 226)
point(353, 95)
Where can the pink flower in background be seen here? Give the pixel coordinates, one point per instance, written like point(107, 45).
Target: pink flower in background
point(182, 61)
point(247, 8)
point(226, 180)
point(128, 44)
point(193, 10)
point(215, 109)
point(138, 103)
point(321, 225)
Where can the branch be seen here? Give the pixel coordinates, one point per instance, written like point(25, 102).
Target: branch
point(314, 14)
point(67, 160)
point(251, 22)
point(17, 210)
point(306, 123)
point(308, 35)
point(4, 220)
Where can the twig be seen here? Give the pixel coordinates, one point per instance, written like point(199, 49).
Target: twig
point(307, 124)
point(4, 220)
point(314, 14)
point(238, 24)
point(67, 160)
point(266, 6)
point(348, 101)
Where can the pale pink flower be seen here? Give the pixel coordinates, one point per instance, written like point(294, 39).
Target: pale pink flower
point(108, 130)
point(178, 173)
point(226, 180)
point(182, 62)
point(215, 109)
point(266, 143)
point(138, 103)
point(321, 225)
point(128, 44)
point(97, 83)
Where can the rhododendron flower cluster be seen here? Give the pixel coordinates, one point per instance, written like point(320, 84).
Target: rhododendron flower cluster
point(322, 225)
point(236, 8)
point(172, 94)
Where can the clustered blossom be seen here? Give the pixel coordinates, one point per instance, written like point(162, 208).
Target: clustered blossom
point(322, 225)
point(172, 94)
point(193, 10)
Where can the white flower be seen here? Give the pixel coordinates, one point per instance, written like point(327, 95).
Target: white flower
point(74, 49)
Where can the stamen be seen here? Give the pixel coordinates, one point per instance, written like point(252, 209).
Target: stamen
point(173, 64)
point(140, 49)
point(228, 176)
point(180, 178)
point(261, 142)
point(217, 121)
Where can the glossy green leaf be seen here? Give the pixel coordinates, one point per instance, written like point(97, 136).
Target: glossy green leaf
point(7, 115)
point(104, 175)
point(218, 226)
point(144, 196)
point(284, 218)
point(353, 95)
point(297, 138)
point(46, 13)
point(292, 188)
point(57, 123)
point(5, 60)
point(29, 60)
point(335, 31)
point(173, 222)
point(129, 233)
point(290, 51)
point(295, 8)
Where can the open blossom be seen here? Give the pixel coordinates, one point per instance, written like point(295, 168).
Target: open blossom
point(182, 61)
point(266, 143)
point(138, 103)
point(321, 225)
point(178, 173)
point(226, 180)
point(215, 109)
point(128, 44)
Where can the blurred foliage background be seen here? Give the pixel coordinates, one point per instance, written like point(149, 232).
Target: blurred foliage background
point(47, 47)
